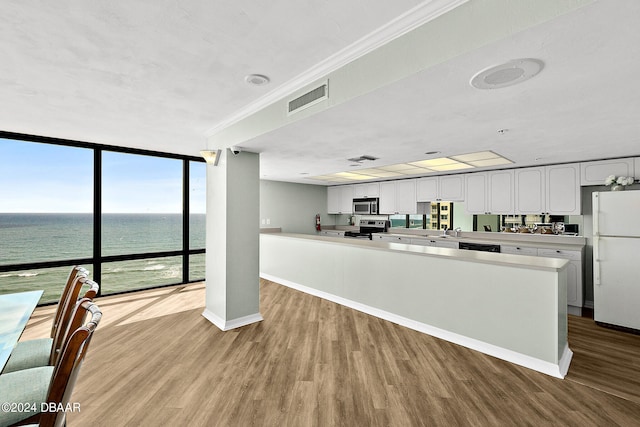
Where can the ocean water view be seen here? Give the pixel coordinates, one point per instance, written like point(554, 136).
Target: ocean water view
point(40, 237)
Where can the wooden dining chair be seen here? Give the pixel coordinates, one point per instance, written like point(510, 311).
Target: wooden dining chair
point(44, 351)
point(41, 388)
point(75, 273)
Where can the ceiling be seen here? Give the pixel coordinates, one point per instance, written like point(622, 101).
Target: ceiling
point(165, 75)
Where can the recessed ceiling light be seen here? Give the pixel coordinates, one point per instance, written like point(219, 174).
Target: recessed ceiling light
point(256, 79)
point(508, 74)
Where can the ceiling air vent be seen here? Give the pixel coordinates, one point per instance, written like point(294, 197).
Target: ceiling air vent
point(310, 98)
point(362, 158)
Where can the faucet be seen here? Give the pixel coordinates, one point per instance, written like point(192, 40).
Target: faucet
point(444, 230)
point(457, 231)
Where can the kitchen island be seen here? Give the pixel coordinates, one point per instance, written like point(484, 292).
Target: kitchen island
point(513, 307)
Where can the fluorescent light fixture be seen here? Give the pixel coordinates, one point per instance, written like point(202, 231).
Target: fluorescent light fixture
point(413, 171)
point(211, 156)
point(432, 163)
point(491, 162)
point(451, 167)
point(420, 167)
point(396, 168)
point(483, 159)
point(480, 155)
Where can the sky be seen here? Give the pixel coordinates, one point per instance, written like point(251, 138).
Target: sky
point(36, 177)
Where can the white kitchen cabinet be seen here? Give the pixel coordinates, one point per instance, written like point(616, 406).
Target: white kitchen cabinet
point(563, 189)
point(427, 189)
point(500, 191)
point(434, 242)
point(368, 189)
point(595, 173)
point(332, 233)
point(489, 192)
point(518, 250)
point(551, 190)
point(530, 191)
point(442, 243)
point(390, 238)
point(475, 193)
point(387, 202)
point(420, 241)
point(398, 197)
point(636, 168)
point(340, 199)
point(574, 275)
point(449, 188)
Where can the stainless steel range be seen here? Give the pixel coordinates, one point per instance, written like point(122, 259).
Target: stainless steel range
point(367, 228)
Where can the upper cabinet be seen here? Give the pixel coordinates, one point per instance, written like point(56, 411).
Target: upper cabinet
point(340, 199)
point(476, 193)
point(448, 188)
point(398, 197)
point(563, 189)
point(489, 192)
point(552, 190)
point(594, 173)
point(530, 190)
point(368, 189)
point(501, 192)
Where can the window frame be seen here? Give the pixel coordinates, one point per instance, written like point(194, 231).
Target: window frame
point(97, 259)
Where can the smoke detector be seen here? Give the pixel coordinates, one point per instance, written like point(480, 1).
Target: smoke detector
point(511, 73)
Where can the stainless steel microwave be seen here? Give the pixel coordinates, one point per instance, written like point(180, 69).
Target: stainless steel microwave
point(367, 206)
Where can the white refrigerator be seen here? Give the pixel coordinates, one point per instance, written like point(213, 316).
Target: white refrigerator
point(616, 258)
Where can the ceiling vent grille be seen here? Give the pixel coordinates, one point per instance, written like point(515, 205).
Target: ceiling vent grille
point(310, 98)
point(362, 158)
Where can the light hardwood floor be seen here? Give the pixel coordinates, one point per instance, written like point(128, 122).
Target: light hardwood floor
point(155, 360)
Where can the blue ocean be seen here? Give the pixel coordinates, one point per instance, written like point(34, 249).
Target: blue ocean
point(28, 238)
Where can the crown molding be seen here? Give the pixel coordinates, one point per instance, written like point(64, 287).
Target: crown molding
point(408, 21)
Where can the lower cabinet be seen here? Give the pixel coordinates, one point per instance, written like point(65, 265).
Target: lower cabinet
point(574, 270)
point(394, 239)
point(518, 250)
point(446, 244)
point(438, 243)
point(574, 273)
point(332, 233)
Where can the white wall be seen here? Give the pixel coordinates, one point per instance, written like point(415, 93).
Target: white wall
point(293, 207)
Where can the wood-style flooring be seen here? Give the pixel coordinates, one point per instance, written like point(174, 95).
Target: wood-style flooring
point(155, 361)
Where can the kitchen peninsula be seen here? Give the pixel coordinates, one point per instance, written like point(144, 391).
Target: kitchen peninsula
point(513, 307)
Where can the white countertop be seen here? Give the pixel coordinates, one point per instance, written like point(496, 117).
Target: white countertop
point(517, 239)
point(521, 261)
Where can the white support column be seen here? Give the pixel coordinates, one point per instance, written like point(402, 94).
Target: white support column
point(233, 241)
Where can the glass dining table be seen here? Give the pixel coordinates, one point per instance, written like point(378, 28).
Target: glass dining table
point(15, 311)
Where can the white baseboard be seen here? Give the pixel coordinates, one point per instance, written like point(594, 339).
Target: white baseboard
point(558, 371)
point(226, 325)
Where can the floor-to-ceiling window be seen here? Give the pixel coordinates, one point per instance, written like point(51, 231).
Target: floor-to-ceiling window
point(134, 218)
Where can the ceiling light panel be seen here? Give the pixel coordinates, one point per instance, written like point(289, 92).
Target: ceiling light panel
point(421, 167)
point(396, 168)
point(414, 171)
point(480, 155)
point(435, 162)
point(491, 162)
point(451, 167)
